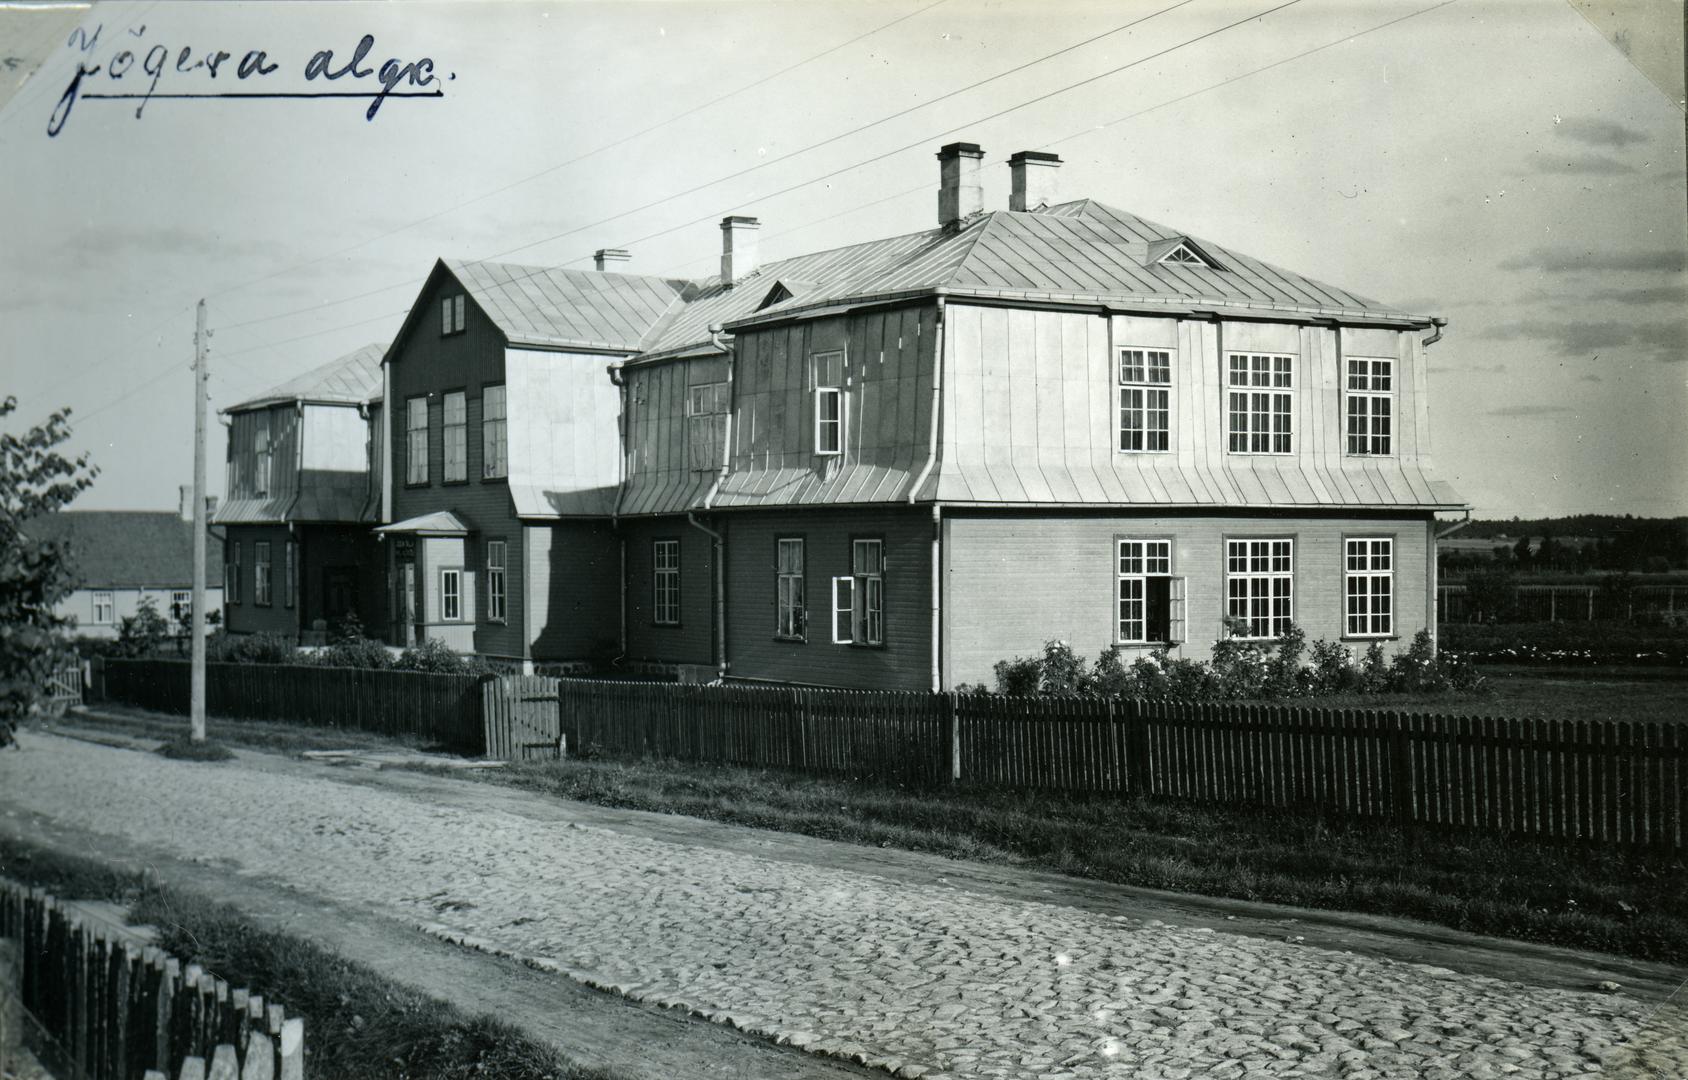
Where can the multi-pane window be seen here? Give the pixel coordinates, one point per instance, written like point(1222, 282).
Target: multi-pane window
point(1369, 584)
point(789, 589)
point(828, 382)
point(665, 582)
point(451, 315)
point(104, 609)
point(1371, 404)
point(181, 605)
point(290, 578)
point(1151, 600)
point(706, 425)
point(416, 440)
point(495, 588)
point(261, 573)
point(858, 601)
point(231, 572)
point(451, 595)
point(456, 436)
point(1145, 376)
point(494, 456)
point(1261, 403)
point(261, 454)
point(1260, 585)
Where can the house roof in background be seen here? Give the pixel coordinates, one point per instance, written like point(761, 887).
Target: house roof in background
point(353, 379)
point(129, 548)
point(579, 309)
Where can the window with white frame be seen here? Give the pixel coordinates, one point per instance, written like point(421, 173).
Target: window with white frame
point(451, 315)
point(495, 588)
point(495, 461)
point(451, 594)
point(105, 609)
point(1370, 390)
point(181, 605)
point(231, 572)
point(1261, 403)
point(858, 601)
point(1145, 399)
point(1151, 600)
point(827, 378)
point(261, 573)
point(416, 440)
point(455, 437)
point(261, 453)
point(1260, 585)
point(789, 588)
point(1369, 585)
point(706, 426)
point(290, 576)
point(665, 582)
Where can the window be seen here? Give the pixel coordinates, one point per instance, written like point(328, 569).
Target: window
point(858, 601)
point(706, 426)
point(290, 578)
point(828, 375)
point(456, 437)
point(451, 595)
point(495, 595)
point(1369, 584)
point(261, 573)
point(1260, 584)
point(105, 611)
point(494, 459)
point(1262, 401)
point(181, 605)
point(451, 315)
point(1144, 400)
point(665, 582)
point(231, 572)
point(261, 454)
point(416, 441)
point(1151, 600)
point(1371, 404)
point(788, 571)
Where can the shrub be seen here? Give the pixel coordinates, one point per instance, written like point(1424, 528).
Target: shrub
point(1108, 677)
point(1332, 669)
point(251, 649)
point(1019, 677)
point(1063, 671)
point(436, 656)
point(1493, 593)
point(356, 652)
point(142, 633)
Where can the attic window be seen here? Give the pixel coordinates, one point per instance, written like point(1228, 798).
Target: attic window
point(1183, 254)
point(779, 294)
point(451, 315)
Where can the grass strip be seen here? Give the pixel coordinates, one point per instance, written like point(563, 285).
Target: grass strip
point(357, 1022)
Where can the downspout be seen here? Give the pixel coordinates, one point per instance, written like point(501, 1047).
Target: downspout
point(727, 435)
point(1438, 324)
point(1456, 526)
point(937, 508)
point(617, 379)
point(720, 594)
point(937, 399)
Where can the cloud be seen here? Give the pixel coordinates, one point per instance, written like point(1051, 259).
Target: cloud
point(1591, 132)
point(1567, 261)
point(1582, 165)
point(1629, 297)
point(1666, 341)
point(1532, 410)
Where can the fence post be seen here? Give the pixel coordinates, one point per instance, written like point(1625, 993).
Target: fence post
point(1400, 772)
point(1136, 746)
point(11, 1007)
point(951, 715)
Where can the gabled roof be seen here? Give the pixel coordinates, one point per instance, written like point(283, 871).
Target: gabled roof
point(438, 523)
point(129, 548)
point(579, 309)
point(353, 379)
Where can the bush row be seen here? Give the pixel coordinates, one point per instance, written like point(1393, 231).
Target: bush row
point(1575, 644)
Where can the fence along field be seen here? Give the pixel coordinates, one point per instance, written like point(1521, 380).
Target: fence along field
point(1623, 782)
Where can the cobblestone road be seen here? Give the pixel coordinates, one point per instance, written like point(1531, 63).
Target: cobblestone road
point(936, 982)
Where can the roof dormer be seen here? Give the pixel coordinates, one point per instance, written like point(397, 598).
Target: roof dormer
point(1181, 251)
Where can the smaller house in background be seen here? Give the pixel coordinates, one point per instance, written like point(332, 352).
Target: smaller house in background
point(121, 557)
point(302, 493)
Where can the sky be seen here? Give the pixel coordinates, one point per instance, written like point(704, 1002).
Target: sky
point(1495, 162)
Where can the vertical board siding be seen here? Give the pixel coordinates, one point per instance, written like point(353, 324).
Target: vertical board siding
point(693, 640)
point(563, 582)
point(248, 616)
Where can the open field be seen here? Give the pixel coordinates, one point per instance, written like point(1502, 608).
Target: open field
point(1550, 693)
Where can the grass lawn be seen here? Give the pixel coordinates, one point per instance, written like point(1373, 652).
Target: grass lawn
point(404, 1034)
point(270, 735)
point(1550, 693)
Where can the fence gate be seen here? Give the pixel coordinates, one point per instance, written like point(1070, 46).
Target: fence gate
point(522, 717)
point(64, 687)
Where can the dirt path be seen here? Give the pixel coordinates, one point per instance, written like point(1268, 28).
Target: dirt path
point(910, 962)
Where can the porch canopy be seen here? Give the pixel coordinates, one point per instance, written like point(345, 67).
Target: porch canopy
point(438, 523)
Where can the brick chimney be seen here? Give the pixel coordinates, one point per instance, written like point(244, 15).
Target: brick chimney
point(603, 257)
point(184, 504)
point(1033, 173)
point(738, 248)
point(961, 192)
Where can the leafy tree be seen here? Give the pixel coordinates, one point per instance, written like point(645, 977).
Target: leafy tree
point(35, 575)
point(1521, 551)
point(144, 632)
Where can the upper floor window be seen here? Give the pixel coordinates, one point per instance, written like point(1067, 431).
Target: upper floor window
point(828, 381)
point(858, 601)
point(665, 582)
point(1261, 403)
point(1145, 402)
point(261, 454)
point(495, 460)
point(1370, 389)
point(261, 573)
point(451, 315)
point(1368, 581)
point(416, 440)
point(105, 611)
point(789, 582)
point(1260, 585)
point(455, 434)
point(706, 425)
point(1151, 600)
point(495, 588)
point(231, 571)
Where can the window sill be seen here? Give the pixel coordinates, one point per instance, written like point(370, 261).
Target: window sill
point(417, 486)
point(454, 483)
point(664, 625)
point(1151, 645)
point(1167, 451)
point(791, 640)
point(1369, 637)
point(502, 478)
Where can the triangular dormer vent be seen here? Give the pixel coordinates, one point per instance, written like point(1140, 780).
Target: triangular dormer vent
point(1181, 251)
point(779, 294)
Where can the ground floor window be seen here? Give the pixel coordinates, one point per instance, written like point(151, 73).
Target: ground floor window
point(261, 573)
point(1369, 585)
point(858, 601)
point(231, 572)
point(181, 605)
point(788, 572)
point(495, 588)
point(1151, 600)
point(665, 582)
point(105, 611)
point(451, 595)
point(292, 575)
point(1260, 585)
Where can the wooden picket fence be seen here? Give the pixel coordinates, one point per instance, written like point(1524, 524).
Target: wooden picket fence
point(112, 1010)
point(1623, 782)
point(444, 709)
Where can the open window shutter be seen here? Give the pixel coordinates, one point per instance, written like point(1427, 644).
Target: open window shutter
point(1177, 622)
point(843, 609)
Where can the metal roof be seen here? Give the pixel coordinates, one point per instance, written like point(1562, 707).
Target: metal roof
point(576, 309)
point(438, 523)
point(353, 379)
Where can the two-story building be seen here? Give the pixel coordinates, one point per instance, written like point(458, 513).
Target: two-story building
point(302, 494)
point(894, 463)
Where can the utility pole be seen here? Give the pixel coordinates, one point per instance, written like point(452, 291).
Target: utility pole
point(201, 381)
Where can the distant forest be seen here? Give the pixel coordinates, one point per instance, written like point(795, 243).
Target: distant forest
point(1578, 542)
